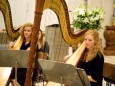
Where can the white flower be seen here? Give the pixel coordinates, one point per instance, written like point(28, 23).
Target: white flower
point(83, 18)
point(86, 20)
point(81, 11)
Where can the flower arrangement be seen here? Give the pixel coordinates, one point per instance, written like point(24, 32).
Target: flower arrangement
point(84, 19)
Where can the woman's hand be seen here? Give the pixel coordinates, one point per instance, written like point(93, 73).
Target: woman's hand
point(67, 57)
point(28, 48)
point(91, 79)
point(11, 44)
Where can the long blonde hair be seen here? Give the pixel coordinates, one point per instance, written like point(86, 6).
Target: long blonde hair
point(97, 47)
point(21, 31)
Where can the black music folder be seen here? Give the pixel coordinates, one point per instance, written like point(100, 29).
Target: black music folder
point(63, 73)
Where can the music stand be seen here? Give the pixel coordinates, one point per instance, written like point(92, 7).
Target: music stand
point(63, 73)
point(14, 58)
point(9, 58)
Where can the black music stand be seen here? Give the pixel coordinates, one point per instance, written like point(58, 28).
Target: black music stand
point(14, 58)
point(63, 73)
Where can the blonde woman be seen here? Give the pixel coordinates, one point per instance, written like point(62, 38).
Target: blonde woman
point(22, 43)
point(93, 58)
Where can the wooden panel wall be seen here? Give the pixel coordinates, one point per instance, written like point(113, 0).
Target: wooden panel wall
point(58, 47)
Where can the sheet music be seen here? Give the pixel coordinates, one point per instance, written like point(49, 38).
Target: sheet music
point(110, 59)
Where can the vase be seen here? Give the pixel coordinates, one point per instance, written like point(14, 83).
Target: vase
point(109, 35)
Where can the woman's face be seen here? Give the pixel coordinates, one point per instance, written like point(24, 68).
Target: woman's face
point(27, 32)
point(89, 41)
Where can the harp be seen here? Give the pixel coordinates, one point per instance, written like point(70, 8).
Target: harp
point(6, 11)
point(41, 5)
point(60, 8)
point(11, 32)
